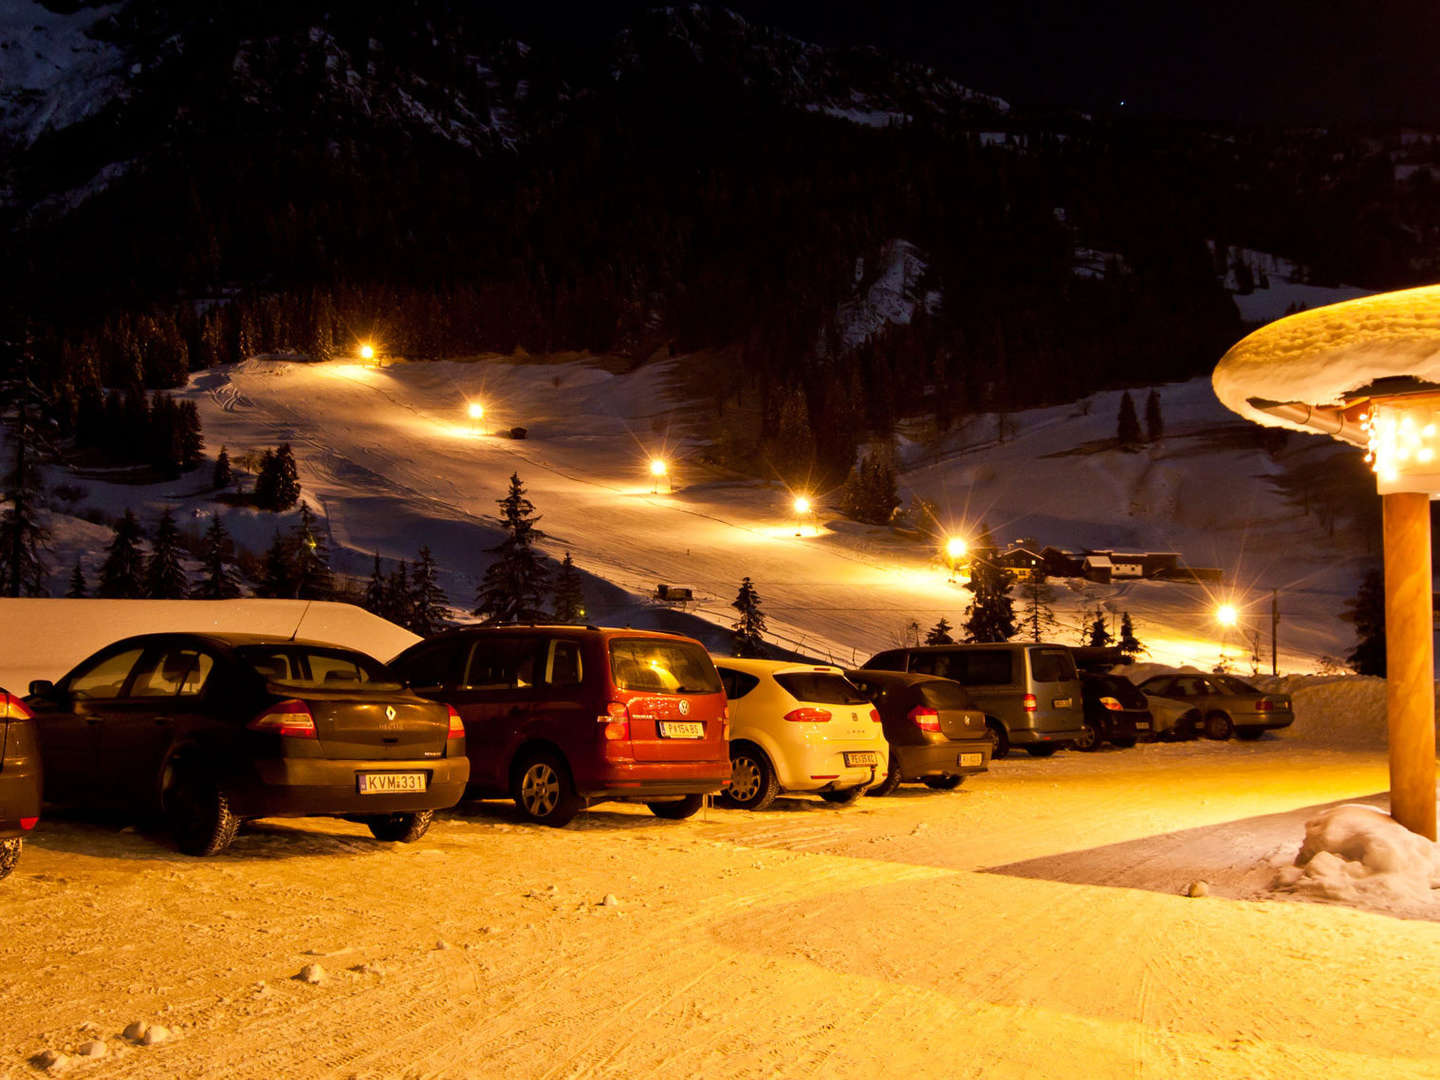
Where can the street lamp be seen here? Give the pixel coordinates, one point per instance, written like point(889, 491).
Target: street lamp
point(367, 351)
point(802, 507)
point(1226, 615)
point(658, 471)
point(955, 550)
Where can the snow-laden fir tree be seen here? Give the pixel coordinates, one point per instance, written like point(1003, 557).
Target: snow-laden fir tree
point(24, 540)
point(1038, 618)
point(1127, 424)
point(221, 579)
point(397, 595)
point(1154, 422)
point(78, 590)
point(265, 481)
point(991, 614)
point(569, 593)
point(427, 600)
point(122, 574)
point(516, 582)
point(749, 627)
point(222, 476)
point(1367, 611)
point(165, 577)
point(374, 600)
point(1098, 635)
point(287, 478)
point(277, 572)
point(939, 634)
point(313, 577)
point(1129, 644)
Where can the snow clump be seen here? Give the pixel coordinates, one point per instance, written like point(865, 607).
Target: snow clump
point(313, 974)
point(92, 1049)
point(135, 1030)
point(155, 1033)
point(1358, 854)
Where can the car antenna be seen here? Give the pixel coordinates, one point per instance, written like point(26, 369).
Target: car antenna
point(301, 619)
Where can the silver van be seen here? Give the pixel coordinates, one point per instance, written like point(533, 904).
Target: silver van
point(1029, 691)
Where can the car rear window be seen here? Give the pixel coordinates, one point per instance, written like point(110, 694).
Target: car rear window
point(657, 666)
point(944, 695)
point(821, 688)
point(973, 667)
point(1118, 687)
point(737, 683)
point(1052, 665)
point(1228, 684)
point(312, 668)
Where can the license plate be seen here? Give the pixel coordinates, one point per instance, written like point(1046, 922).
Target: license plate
point(681, 729)
point(1142, 725)
point(389, 783)
point(971, 759)
point(1062, 702)
point(861, 757)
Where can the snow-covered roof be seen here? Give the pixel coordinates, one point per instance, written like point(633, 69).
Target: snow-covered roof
point(1321, 357)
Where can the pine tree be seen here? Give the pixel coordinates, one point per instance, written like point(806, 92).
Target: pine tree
point(223, 475)
point(221, 581)
point(277, 573)
point(1154, 422)
point(165, 578)
point(1367, 611)
point(515, 582)
point(122, 574)
point(397, 595)
point(287, 478)
point(991, 614)
point(1039, 618)
point(569, 593)
point(78, 590)
point(24, 541)
point(313, 577)
point(939, 634)
point(190, 443)
point(1098, 636)
point(266, 482)
point(427, 600)
point(870, 494)
point(1127, 425)
point(1129, 644)
point(375, 597)
point(750, 626)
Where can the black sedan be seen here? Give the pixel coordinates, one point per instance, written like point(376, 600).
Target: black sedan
point(936, 736)
point(1115, 712)
point(213, 729)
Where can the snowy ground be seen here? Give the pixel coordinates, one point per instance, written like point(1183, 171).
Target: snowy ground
point(1031, 924)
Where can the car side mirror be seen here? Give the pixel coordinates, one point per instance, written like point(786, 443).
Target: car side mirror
point(42, 688)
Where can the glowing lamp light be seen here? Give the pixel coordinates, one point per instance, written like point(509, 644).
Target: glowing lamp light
point(1401, 435)
point(657, 467)
point(1226, 615)
point(476, 410)
point(367, 351)
point(802, 504)
point(956, 547)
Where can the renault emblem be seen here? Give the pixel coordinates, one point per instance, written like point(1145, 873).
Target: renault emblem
point(684, 707)
point(389, 712)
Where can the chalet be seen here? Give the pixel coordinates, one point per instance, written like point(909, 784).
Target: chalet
point(1022, 561)
point(1097, 567)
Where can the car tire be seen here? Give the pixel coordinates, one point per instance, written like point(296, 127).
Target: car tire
point(543, 791)
point(1042, 750)
point(677, 809)
point(948, 782)
point(198, 811)
point(752, 775)
point(1218, 726)
point(844, 796)
point(891, 783)
point(400, 828)
point(9, 855)
point(1249, 734)
point(1186, 728)
point(999, 739)
point(1089, 739)
point(1124, 744)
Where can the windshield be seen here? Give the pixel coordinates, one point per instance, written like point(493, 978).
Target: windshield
point(313, 667)
point(659, 666)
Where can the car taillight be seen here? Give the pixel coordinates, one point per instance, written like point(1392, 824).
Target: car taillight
point(725, 722)
point(28, 823)
point(926, 719)
point(1264, 705)
point(12, 708)
point(290, 718)
point(1111, 703)
point(457, 726)
point(1030, 703)
point(874, 716)
point(807, 715)
point(616, 719)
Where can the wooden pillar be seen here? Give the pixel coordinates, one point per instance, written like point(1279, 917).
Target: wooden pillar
point(1410, 660)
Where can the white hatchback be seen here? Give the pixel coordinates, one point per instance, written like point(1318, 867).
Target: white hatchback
point(798, 727)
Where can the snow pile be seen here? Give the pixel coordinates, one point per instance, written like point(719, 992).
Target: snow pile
point(891, 296)
point(1360, 855)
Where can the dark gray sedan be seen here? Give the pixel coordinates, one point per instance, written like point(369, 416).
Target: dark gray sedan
point(1227, 705)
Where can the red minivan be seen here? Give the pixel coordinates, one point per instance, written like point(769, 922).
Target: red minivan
point(557, 716)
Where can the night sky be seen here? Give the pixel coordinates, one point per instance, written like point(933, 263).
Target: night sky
point(1287, 62)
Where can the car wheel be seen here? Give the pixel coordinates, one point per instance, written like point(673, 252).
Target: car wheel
point(1186, 728)
point(677, 809)
point(543, 790)
point(9, 855)
point(948, 782)
point(1249, 734)
point(1042, 750)
point(843, 797)
point(198, 812)
point(999, 739)
point(753, 784)
point(892, 779)
point(1124, 744)
point(401, 828)
point(1089, 738)
point(1218, 726)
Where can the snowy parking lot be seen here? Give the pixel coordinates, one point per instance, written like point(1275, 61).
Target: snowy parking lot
point(1033, 923)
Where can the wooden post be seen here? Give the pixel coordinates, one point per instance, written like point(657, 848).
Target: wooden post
point(1410, 660)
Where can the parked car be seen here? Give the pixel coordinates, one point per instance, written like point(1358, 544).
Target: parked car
point(1175, 720)
point(798, 727)
point(213, 729)
point(936, 736)
point(19, 779)
point(1228, 705)
point(556, 716)
point(1115, 712)
point(1030, 692)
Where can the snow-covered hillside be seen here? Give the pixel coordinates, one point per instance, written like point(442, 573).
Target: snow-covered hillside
point(389, 460)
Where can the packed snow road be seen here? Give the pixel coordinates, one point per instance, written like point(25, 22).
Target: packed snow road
point(1030, 924)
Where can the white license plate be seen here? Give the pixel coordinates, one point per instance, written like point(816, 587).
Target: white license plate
point(1142, 725)
point(861, 757)
point(389, 783)
point(681, 729)
point(1062, 702)
point(972, 759)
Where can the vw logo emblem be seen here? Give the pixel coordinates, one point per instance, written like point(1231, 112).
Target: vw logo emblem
point(389, 712)
point(684, 707)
